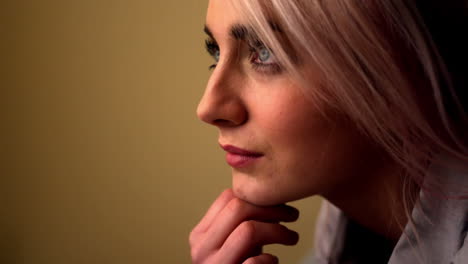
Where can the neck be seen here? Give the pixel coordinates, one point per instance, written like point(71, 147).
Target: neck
point(377, 201)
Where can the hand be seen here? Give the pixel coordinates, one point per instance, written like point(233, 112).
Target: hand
point(234, 231)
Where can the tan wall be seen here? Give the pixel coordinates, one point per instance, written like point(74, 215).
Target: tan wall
point(105, 160)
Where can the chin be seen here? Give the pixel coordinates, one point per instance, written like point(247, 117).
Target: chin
point(254, 198)
point(262, 194)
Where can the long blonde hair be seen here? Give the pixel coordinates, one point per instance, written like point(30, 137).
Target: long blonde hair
point(379, 65)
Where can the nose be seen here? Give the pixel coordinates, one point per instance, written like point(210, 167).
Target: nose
point(222, 104)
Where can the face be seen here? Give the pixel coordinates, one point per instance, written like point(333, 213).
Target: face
point(277, 141)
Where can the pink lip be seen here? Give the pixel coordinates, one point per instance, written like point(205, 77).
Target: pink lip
point(238, 158)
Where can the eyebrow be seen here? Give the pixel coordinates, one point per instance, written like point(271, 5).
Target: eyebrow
point(242, 32)
point(207, 30)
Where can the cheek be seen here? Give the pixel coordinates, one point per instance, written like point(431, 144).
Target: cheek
point(297, 136)
point(295, 127)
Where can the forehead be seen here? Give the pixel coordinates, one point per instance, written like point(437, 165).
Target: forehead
point(221, 16)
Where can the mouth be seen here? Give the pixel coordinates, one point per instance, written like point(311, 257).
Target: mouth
point(239, 158)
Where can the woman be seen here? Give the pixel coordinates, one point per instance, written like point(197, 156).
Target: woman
point(358, 101)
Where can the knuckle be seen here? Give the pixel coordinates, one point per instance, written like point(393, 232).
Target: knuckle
point(192, 237)
point(191, 241)
point(236, 206)
point(228, 193)
point(247, 230)
point(196, 229)
point(251, 261)
point(195, 255)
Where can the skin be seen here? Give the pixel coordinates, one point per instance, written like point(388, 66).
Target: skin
point(304, 154)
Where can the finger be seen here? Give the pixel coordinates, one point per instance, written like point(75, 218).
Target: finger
point(220, 202)
point(256, 251)
point(238, 211)
point(252, 234)
point(262, 259)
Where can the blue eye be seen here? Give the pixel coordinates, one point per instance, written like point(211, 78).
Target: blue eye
point(264, 61)
point(264, 54)
point(216, 55)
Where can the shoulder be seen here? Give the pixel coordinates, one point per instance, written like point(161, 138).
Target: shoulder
point(439, 224)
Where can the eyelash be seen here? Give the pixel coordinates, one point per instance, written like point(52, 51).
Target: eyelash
point(212, 48)
point(266, 68)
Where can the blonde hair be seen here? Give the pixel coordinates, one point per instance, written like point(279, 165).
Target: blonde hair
point(378, 65)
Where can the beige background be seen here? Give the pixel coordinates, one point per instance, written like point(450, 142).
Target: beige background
point(104, 160)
